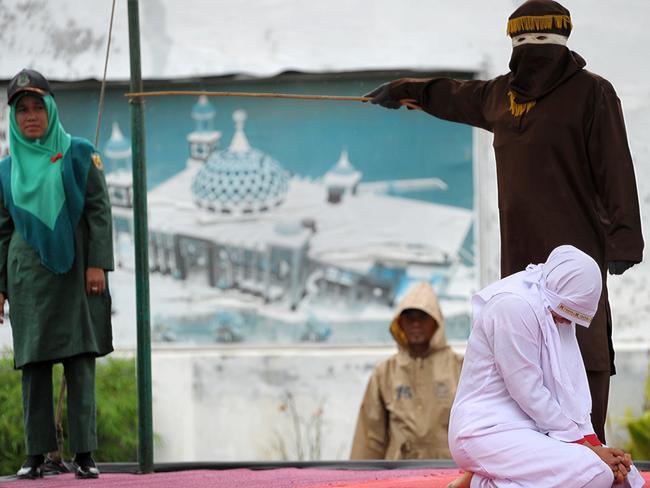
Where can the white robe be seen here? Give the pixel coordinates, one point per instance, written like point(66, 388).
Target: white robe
point(507, 425)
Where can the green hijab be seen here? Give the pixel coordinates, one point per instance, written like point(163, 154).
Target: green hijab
point(36, 167)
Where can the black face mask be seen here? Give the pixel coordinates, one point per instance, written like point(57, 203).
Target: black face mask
point(537, 69)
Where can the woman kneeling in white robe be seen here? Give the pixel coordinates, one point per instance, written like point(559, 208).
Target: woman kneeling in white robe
point(521, 417)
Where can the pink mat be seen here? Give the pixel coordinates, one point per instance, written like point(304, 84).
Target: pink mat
point(245, 478)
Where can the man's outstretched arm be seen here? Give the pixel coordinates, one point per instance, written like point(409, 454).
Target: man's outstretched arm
point(460, 101)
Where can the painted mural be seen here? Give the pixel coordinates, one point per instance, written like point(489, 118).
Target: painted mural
point(244, 248)
point(286, 222)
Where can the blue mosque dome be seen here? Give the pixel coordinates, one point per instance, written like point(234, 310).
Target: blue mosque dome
point(240, 179)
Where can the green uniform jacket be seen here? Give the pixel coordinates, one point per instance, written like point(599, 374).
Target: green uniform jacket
point(52, 316)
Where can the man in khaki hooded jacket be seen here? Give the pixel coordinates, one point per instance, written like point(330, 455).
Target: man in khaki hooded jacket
point(405, 410)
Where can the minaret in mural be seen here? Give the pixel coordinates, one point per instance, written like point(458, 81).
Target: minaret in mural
point(204, 140)
point(342, 179)
point(117, 152)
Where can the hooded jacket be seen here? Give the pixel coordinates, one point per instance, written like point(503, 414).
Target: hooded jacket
point(404, 413)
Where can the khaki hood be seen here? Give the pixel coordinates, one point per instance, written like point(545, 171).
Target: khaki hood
point(421, 297)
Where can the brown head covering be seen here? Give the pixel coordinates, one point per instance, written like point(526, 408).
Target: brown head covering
point(540, 16)
point(537, 69)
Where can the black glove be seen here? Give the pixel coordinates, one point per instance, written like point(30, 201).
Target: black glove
point(381, 96)
point(619, 267)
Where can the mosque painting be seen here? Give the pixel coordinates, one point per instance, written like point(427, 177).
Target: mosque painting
point(263, 255)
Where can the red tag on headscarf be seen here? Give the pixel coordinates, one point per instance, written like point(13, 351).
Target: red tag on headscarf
point(56, 157)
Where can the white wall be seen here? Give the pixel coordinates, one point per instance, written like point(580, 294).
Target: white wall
point(226, 404)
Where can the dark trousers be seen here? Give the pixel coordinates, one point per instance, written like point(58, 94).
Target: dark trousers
point(38, 405)
point(599, 389)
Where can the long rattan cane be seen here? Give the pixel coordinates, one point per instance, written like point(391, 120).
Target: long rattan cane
point(407, 102)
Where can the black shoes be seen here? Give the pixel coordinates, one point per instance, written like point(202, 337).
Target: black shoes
point(29, 473)
point(35, 467)
point(32, 468)
point(84, 466)
point(53, 466)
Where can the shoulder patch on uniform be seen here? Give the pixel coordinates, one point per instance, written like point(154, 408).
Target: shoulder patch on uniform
point(97, 161)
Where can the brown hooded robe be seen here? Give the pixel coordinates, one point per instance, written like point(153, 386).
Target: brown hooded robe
point(564, 175)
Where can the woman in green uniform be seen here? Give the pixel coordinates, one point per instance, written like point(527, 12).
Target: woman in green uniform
point(55, 251)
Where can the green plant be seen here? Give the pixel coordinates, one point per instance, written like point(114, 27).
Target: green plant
point(116, 412)
point(12, 444)
point(303, 440)
point(639, 429)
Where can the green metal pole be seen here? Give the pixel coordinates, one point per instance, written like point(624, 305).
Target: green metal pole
point(145, 417)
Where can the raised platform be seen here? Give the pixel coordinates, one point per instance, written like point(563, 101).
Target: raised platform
point(409, 474)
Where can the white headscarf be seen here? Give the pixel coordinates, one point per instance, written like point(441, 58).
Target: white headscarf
point(569, 283)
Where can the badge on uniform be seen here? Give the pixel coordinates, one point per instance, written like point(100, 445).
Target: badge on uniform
point(23, 79)
point(97, 161)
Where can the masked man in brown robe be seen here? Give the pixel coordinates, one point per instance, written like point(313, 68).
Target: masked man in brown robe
point(564, 169)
